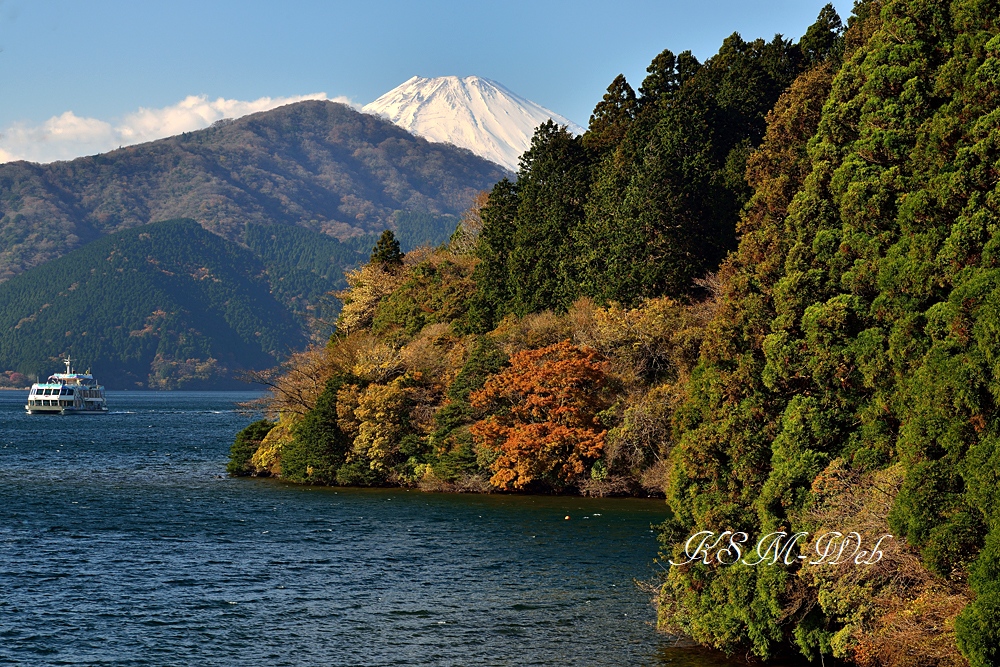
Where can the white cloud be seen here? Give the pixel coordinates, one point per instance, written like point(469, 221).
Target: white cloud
point(67, 136)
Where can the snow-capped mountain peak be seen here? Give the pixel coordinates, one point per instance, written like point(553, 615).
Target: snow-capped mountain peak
point(474, 113)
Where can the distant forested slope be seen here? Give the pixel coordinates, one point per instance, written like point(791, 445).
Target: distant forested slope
point(317, 165)
point(303, 266)
point(167, 305)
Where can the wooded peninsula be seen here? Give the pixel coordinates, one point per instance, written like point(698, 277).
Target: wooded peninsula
point(765, 287)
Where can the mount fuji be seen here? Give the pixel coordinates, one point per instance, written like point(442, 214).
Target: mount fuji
point(474, 113)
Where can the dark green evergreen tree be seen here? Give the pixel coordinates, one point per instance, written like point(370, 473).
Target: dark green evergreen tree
point(864, 330)
point(552, 185)
point(665, 75)
point(245, 446)
point(823, 40)
point(611, 118)
point(318, 448)
point(663, 206)
point(494, 292)
point(386, 252)
point(526, 245)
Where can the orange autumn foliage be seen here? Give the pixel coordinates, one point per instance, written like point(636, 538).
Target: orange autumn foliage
point(542, 423)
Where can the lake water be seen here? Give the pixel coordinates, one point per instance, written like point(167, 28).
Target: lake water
point(123, 542)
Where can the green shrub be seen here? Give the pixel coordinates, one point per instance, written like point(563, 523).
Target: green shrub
point(318, 448)
point(245, 446)
point(358, 473)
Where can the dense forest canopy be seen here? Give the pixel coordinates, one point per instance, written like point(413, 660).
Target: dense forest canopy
point(170, 305)
point(764, 286)
point(648, 199)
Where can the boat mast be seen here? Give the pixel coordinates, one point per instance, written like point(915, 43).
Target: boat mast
point(67, 361)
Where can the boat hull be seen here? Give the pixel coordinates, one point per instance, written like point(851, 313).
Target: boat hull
point(56, 410)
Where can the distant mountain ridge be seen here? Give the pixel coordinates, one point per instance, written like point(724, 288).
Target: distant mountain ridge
point(472, 112)
point(316, 164)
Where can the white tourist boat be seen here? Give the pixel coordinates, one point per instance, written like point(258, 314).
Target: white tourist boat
point(67, 393)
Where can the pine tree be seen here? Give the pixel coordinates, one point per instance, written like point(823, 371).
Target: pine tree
point(494, 292)
point(611, 118)
point(386, 251)
point(823, 40)
point(552, 184)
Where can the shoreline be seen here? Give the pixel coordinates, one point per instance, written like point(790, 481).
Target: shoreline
point(449, 490)
point(435, 492)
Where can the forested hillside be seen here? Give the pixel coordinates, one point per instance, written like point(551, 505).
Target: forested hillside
point(165, 306)
point(318, 165)
point(848, 382)
point(764, 286)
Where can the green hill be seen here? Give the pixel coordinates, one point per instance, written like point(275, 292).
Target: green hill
point(167, 305)
point(303, 265)
point(317, 165)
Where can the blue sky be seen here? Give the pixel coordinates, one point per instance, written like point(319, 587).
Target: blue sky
point(105, 60)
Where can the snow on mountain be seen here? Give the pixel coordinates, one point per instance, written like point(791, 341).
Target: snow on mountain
point(474, 113)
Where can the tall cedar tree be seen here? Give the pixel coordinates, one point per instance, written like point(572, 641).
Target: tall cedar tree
point(663, 206)
point(386, 251)
point(612, 117)
point(526, 245)
point(552, 185)
point(492, 275)
point(647, 201)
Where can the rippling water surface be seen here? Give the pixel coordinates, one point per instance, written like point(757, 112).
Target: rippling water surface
point(122, 542)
